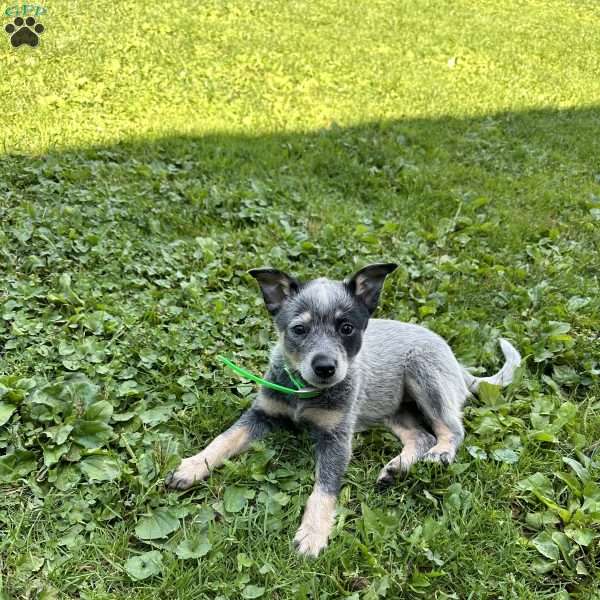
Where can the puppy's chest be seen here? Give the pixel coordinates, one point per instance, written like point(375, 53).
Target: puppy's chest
point(301, 411)
point(295, 410)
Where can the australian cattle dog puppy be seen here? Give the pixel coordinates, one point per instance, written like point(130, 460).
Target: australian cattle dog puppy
point(369, 372)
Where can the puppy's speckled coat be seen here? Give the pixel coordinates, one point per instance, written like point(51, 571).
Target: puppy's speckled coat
point(370, 372)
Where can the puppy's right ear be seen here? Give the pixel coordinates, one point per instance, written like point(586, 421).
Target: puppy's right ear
point(276, 287)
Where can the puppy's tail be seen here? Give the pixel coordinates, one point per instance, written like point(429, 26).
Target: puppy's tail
point(504, 376)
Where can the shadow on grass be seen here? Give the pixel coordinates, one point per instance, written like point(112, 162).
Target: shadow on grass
point(417, 164)
point(322, 200)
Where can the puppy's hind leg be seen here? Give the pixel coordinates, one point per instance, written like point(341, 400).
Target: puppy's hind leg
point(439, 395)
point(449, 433)
point(416, 442)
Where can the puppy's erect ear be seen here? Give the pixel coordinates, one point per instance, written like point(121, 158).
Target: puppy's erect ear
point(366, 284)
point(276, 287)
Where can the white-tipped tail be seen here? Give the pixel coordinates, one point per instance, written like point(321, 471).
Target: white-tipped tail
point(504, 376)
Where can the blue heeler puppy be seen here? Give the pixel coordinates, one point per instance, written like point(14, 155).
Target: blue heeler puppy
point(370, 372)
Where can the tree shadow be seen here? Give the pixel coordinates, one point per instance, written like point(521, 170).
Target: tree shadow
point(397, 162)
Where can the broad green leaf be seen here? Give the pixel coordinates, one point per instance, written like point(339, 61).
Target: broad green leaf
point(4, 390)
point(566, 375)
point(566, 547)
point(65, 477)
point(16, 464)
point(80, 390)
point(582, 536)
point(186, 381)
point(563, 513)
point(541, 566)
point(383, 586)
point(195, 547)
point(159, 524)
point(50, 396)
point(59, 434)
point(253, 591)
point(99, 411)
point(419, 580)
point(581, 472)
point(541, 520)
point(48, 593)
point(145, 565)
point(489, 393)
point(52, 454)
point(566, 413)
point(575, 303)
point(457, 468)
point(506, 455)
point(244, 561)
point(235, 498)
point(571, 481)
point(488, 426)
point(204, 515)
point(129, 387)
point(477, 452)
point(280, 498)
point(537, 482)
point(91, 434)
point(544, 436)
point(580, 567)
point(267, 568)
point(591, 496)
point(557, 328)
point(154, 416)
point(100, 467)
point(123, 416)
point(376, 520)
point(69, 295)
point(6, 411)
point(546, 546)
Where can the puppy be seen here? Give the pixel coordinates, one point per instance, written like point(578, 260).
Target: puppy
point(369, 372)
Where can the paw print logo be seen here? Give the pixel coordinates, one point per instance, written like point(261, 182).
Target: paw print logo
point(24, 32)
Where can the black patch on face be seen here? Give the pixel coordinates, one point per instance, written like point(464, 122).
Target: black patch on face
point(287, 312)
point(358, 317)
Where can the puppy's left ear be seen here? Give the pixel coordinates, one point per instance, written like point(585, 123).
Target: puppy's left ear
point(276, 287)
point(366, 284)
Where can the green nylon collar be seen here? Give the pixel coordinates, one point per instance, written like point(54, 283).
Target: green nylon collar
point(301, 390)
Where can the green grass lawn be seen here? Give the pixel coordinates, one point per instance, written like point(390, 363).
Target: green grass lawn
point(152, 153)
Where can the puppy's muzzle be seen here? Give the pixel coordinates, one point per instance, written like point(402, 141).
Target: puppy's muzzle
point(324, 366)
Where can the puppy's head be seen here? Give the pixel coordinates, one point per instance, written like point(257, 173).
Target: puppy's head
point(321, 322)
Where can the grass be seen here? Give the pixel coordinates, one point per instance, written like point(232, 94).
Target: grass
point(151, 156)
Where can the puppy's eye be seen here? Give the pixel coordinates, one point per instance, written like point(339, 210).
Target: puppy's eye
point(347, 329)
point(299, 329)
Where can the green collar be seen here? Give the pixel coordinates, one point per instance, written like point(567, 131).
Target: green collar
point(301, 390)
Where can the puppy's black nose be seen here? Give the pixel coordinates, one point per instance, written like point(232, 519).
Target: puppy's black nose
point(323, 366)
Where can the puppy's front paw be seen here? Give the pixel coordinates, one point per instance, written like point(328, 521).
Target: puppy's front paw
point(190, 471)
point(388, 474)
point(309, 541)
point(445, 457)
point(386, 478)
